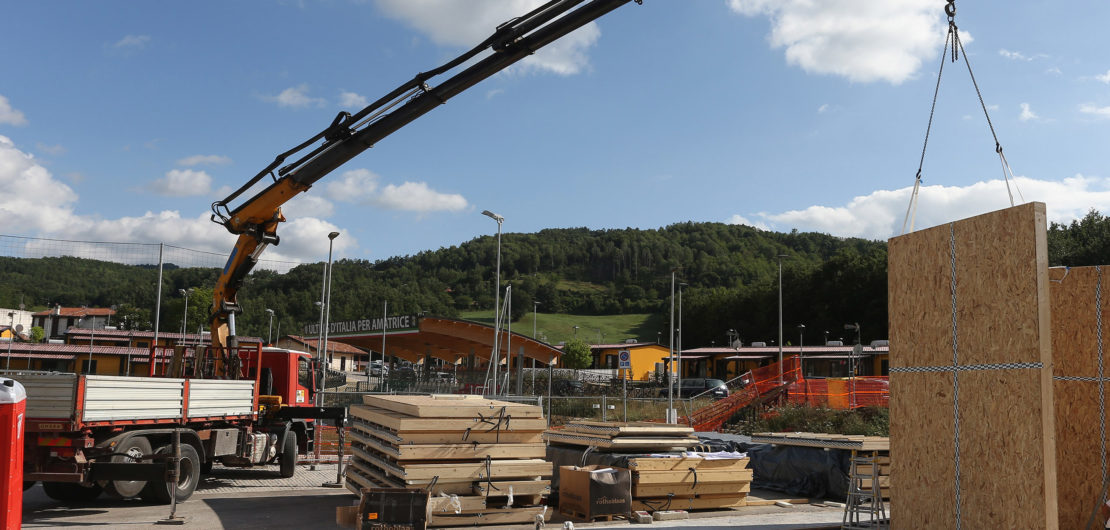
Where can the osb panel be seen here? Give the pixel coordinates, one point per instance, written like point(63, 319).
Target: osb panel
point(1001, 263)
point(919, 299)
point(922, 452)
point(1008, 471)
point(1001, 460)
point(1074, 322)
point(1077, 451)
point(1075, 353)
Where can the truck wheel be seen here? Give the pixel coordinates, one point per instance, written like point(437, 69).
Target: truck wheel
point(71, 491)
point(289, 456)
point(133, 450)
point(159, 491)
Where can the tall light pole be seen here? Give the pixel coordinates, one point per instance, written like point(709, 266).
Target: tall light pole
point(576, 332)
point(322, 341)
point(780, 379)
point(494, 361)
point(322, 351)
point(801, 343)
point(11, 330)
point(535, 318)
point(671, 416)
point(185, 314)
point(270, 335)
point(680, 286)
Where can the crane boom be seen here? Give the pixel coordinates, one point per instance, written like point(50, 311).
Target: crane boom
point(256, 219)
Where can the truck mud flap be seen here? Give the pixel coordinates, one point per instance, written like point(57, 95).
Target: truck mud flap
point(127, 471)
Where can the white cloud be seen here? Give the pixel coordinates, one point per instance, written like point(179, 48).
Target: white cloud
point(35, 203)
point(132, 42)
point(305, 205)
point(880, 214)
point(1094, 110)
point(210, 160)
point(362, 186)
point(418, 197)
point(738, 219)
point(295, 97)
point(1054, 71)
point(1017, 56)
point(9, 115)
point(354, 186)
point(1027, 113)
point(453, 23)
point(862, 41)
point(351, 100)
point(1105, 78)
point(182, 183)
point(494, 93)
point(32, 200)
point(822, 108)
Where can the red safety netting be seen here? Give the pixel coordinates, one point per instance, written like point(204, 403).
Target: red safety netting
point(749, 387)
point(840, 393)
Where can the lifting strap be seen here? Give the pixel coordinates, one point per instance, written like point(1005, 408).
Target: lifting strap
point(953, 37)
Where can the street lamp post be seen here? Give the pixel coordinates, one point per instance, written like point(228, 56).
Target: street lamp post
point(494, 360)
point(322, 342)
point(671, 416)
point(801, 343)
point(780, 256)
point(185, 314)
point(535, 318)
point(11, 330)
point(679, 379)
point(270, 334)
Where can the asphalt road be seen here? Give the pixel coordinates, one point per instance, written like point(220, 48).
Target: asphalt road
point(256, 498)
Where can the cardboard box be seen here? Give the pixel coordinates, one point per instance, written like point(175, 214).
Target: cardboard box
point(595, 490)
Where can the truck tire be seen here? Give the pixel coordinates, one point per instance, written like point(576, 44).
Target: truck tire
point(134, 448)
point(159, 492)
point(71, 491)
point(289, 456)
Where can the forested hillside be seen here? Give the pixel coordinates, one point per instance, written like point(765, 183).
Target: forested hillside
point(731, 274)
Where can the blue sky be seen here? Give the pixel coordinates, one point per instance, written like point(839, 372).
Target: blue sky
point(124, 121)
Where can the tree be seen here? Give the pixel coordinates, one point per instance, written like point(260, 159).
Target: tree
point(577, 354)
point(37, 334)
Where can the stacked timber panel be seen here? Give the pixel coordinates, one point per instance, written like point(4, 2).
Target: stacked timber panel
point(624, 437)
point(481, 459)
point(1080, 307)
point(971, 354)
point(689, 483)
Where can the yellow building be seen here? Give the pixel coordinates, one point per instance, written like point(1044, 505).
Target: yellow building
point(646, 358)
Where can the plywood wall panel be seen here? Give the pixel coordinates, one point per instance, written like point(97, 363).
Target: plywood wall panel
point(1075, 345)
point(999, 329)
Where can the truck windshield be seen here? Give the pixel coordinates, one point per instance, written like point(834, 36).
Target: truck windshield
point(303, 375)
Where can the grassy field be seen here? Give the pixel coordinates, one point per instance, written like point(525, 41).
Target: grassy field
point(559, 327)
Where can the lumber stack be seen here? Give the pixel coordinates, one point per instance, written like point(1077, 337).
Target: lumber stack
point(624, 436)
point(689, 483)
point(481, 459)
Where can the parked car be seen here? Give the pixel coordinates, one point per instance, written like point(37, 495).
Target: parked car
point(568, 387)
point(699, 386)
point(377, 368)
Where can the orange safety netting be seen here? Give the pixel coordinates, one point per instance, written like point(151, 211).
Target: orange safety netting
point(840, 393)
point(752, 386)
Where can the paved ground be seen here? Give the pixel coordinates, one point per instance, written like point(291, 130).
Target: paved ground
point(256, 498)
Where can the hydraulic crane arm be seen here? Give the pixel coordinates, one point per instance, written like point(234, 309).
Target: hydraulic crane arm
point(255, 220)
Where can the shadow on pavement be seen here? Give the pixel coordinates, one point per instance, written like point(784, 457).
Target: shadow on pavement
point(299, 511)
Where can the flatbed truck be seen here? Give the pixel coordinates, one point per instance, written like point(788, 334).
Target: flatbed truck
point(93, 434)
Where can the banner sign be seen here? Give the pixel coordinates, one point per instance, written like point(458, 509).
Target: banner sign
point(366, 326)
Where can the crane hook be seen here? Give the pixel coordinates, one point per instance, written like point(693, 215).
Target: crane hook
point(950, 10)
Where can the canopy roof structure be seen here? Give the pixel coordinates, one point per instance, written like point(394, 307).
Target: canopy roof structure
point(451, 340)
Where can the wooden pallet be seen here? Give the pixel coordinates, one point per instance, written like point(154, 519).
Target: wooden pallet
point(571, 514)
